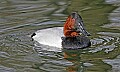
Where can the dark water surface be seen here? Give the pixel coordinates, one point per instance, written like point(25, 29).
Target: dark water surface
point(21, 18)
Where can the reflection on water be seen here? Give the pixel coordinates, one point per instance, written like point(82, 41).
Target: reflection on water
point(21, 18)
point(74, 57)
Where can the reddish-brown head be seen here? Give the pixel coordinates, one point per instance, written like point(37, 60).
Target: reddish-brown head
point(69, 27)
point(74, 25)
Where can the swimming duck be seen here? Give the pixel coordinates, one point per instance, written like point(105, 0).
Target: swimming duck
point(72, 35)
point(75, 33)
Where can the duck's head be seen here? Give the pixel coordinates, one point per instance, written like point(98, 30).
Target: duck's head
point(79, 25)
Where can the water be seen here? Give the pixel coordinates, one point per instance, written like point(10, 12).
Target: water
point(20, 18)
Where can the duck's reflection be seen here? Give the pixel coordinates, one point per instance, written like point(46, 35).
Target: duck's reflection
point(74, 57)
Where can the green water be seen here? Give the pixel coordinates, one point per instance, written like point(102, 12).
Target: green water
point(20, 18)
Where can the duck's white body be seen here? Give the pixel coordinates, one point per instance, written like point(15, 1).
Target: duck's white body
point(49, 36)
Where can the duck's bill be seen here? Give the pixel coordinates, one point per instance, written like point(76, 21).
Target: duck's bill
point(79, 24)
point(82, 29)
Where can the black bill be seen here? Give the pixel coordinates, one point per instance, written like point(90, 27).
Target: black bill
point(79, 25)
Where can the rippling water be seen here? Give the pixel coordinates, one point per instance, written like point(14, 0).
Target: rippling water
point(20, 18)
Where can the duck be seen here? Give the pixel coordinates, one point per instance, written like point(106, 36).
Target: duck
point(76, 36)
point(72, 35)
